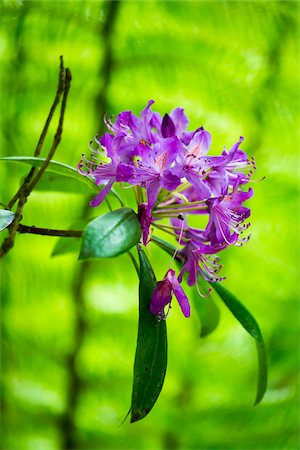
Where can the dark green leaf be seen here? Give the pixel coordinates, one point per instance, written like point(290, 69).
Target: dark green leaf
point(6, 218)
point(151, 352)
point(166, 246)
point(242, 315)
point(208, 312)
point(53, 182)
point(111, 234)
point(249, 323)
point(58, 176)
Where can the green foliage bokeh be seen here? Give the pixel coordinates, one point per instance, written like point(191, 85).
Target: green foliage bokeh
point(233, 66)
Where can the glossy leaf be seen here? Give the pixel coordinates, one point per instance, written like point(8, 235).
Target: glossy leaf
point(250, 325)
point(6, 218)
point(208, 313)
point(206, 309)
point(205, 306)
point(242, 315)
point(164, 245)
point(111, 234)
point(151, 352)
point(53, 182)
point(58, 176)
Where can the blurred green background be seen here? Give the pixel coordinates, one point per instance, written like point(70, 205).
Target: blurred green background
point(68, 329)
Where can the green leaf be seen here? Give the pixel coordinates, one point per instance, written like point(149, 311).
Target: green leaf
point(164, 245)
point(249, 323)
point(58, 176)
point(242, 315)
point(151, 352)
point(210, 320)
point(6, 218)
point(111, 234)
point(206, 309)
point(53, 182)
point(208, 313)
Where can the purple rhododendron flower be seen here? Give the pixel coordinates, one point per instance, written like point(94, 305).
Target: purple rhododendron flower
point(154, 171)
point(226, 218)
point(163, 292)
point(174, 178)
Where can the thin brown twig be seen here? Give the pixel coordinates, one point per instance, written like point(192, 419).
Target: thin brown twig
point(48, 231)
point(58, 133)
point(38, 149)
point(31, 180)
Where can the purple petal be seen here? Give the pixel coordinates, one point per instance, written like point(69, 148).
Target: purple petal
point(167, 127)
point(146, 114)
point(113, 147)
point(152, 192)
point(156, 121)
point(217, 180)
point(166, 152)
point(106, 139)
point(240, 197)
point(202, 190)
point(179, 293)
point(180, 121)
point(235, 146)
point(124, 172)
point(200, 143)
point(162, 295)
point(190, 265)
point(102, 194)
point(187, 137)
point(127, 119)
point(169, 180)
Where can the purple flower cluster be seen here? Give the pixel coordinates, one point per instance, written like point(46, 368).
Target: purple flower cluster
point(174, 180)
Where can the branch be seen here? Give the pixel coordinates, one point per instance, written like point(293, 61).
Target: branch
point(37, 152)
point(48, 231)
point(31, 180)
point(58, 133)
